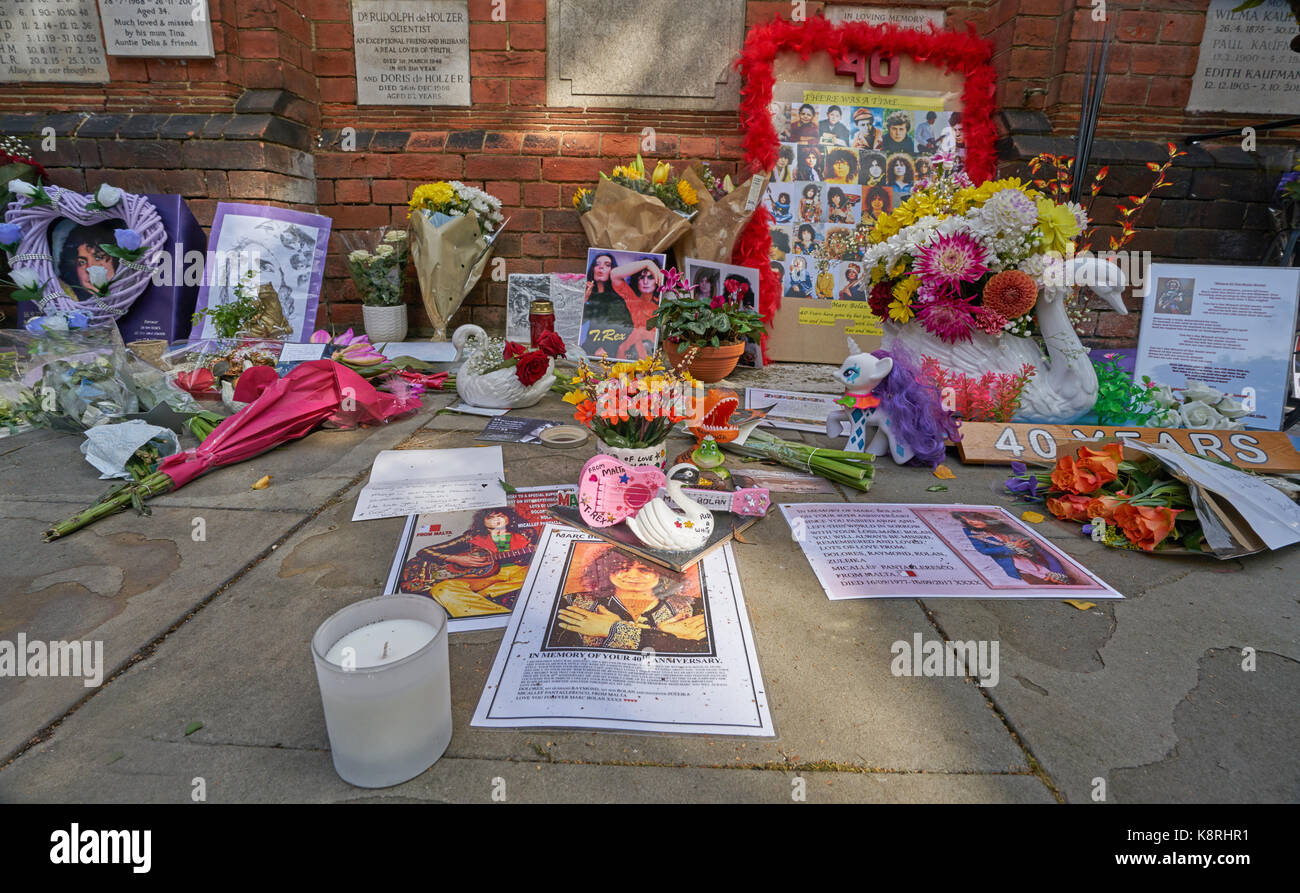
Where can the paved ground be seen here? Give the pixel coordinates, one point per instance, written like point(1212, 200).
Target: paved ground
point(1147, 695)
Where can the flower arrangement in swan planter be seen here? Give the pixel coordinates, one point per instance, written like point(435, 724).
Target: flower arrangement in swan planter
point(977, 277)
point(499, 374)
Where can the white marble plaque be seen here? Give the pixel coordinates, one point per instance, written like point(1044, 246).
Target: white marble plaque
point(157, 28)
point(51, 40)
point(883, 15)
point(411, 52)
point(1246, 63)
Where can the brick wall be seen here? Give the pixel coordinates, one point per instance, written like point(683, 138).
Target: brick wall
point(264, 122)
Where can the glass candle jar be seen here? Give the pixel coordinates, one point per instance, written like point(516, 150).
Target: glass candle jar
point(541, 318)
point(385, 685)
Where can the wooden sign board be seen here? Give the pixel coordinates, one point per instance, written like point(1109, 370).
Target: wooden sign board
point(999, 443)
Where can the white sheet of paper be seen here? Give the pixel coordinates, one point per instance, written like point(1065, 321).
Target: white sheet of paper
point(475, 410)
point(793, 410)
point(428, 351)
point(407, 482)
point(301, 353)
point(882, 550)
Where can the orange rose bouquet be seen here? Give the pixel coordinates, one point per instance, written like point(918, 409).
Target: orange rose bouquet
point(1127, 504)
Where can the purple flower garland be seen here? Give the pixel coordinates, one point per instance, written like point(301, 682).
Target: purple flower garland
point(33, 252)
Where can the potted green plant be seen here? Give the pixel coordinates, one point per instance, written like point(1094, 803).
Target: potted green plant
point(716, 326)
point(376, 260)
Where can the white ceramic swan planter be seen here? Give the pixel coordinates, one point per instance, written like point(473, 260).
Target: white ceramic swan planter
point(659, 527)
point(493, 390)
point(1065, 386)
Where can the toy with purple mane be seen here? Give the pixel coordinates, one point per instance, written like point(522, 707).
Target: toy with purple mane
point(887, 405)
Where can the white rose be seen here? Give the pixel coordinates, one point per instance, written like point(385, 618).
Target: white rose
point(1199, 415)
point(21, 187)
point(1163, 396)
point(107, 196)
point(1230, 408)
point(25, 279)
point(98, 276)
point(397, 235)
point(1166, 418)
point(359, 256)
point(1198, 390)
point(384, 250)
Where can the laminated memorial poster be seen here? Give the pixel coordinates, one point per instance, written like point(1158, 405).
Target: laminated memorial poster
point(934, 551)
point(601, 640)
point(1230, 328)
point(473, 562)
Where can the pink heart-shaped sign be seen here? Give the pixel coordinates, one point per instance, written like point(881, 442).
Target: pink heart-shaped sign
point(611, 491)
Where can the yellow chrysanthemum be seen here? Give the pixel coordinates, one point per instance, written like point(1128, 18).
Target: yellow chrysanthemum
point(900, 311)
point(580, 196)
point(687, 193)
point(432, 196)
point(1057, 224)
point(905, 288)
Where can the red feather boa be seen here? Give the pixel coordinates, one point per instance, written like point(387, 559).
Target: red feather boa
point(966, 54)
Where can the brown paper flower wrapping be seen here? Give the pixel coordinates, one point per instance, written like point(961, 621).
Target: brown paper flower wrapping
point(624, 220)
point(449, 260)
point(717, 226)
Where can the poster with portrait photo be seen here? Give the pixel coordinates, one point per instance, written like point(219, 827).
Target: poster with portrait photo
point(810, 201)
point(737, 283)
point(621, 293)
point(473, 562)
point(76, 250)
point(891, 550)
point(843, 204)
point(851, 282)
point(588, 620)
point(283, 248)
point(781, 201)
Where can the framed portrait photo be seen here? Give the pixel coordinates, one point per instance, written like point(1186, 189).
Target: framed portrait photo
point(284, 249)
point(621, 293)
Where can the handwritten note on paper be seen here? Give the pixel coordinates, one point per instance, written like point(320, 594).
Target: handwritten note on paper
point(406, 482)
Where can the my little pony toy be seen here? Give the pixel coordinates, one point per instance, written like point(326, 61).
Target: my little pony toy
point(888, 405)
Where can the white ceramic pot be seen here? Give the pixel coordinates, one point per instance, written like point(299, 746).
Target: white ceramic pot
point(384, 324)
point(635, 456)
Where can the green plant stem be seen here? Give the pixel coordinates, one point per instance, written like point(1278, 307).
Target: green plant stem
point(119, 499)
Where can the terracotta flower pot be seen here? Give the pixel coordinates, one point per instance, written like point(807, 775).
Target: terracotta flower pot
point(711, 364)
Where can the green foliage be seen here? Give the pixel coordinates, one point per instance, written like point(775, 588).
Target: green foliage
point(1120, 400)
point(694, 321)
point(230, 318)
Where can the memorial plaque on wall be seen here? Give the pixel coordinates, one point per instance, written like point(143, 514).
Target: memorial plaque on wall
point(411, 52)
point(876, 15)
point(1246, 62)
point(157, 28)
point(51, 40)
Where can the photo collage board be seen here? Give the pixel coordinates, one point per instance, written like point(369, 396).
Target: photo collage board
point(845, 159)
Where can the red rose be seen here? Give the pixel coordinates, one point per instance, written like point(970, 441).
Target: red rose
point(531, 367)
point(514, 350)
point(551, 344)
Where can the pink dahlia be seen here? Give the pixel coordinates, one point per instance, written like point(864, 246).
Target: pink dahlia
point(951, 260)
point(951, 319)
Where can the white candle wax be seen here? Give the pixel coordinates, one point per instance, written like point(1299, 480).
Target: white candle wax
point(381, 643)
point(388, 718)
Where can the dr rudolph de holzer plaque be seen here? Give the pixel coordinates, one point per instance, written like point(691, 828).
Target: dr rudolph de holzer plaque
point(411, 52)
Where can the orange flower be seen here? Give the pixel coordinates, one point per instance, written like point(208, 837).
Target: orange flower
point(1104, 507)
point(585, 411)
point(1104, 463)
point(1146, 526)
point(1070, 507)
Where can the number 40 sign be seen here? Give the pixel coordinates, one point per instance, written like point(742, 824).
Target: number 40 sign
point(996, 443)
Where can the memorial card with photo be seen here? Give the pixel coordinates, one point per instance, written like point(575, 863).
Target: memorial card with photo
point(934, 551)
point(1229, 327)
point(474, 562)
point(620, 295)
point(284, 249)
point(737, 284)
point(591, 619)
